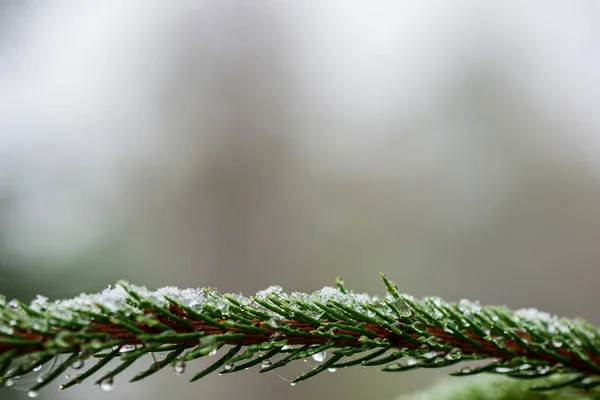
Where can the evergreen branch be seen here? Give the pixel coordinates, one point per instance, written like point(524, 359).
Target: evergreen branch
point(273, 329)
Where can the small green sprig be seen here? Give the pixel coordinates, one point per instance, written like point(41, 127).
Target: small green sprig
point(273, 328)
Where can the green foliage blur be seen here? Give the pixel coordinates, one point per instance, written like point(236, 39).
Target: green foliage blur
point(493, 388)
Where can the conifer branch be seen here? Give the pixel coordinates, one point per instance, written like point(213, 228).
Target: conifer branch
point(272, 329)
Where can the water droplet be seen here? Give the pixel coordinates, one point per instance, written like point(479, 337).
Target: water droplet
point(320, 357)
point(286, 347)
point(33, 394)
point(557, 343)
point(107, 384)
point(503, 370)
point(78, 364)
point(266, 364)
point(40, 379)
point(465, 370)
point(418, 325)
point(37, 368)
point(262, 353)
point(293, 383)
point(212, 352)
point(67, 376)
point(525, 366)
point(410, 361)
point(162, 355)
point(432, 340)
point(127, 347)
point(331, 369)
point(179, 367)
point(543, 370)
point(454, 354)
point(9, 383)
point(228, 367)
point(277, 337)
point(402, 307)
point(588, 380)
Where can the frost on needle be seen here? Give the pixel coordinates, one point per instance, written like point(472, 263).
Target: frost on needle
point(335, 326)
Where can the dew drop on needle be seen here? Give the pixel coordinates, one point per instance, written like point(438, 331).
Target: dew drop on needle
point(179, 367)
point(107, 384)
point(320, 357)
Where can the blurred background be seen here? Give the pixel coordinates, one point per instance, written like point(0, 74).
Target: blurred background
point(240, 144)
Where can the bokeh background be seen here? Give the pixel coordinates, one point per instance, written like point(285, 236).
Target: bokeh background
point(239, 144)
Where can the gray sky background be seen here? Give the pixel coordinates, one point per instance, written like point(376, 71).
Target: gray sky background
point(243, 144)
